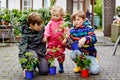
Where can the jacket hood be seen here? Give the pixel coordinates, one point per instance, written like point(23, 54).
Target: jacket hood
point(86, 23)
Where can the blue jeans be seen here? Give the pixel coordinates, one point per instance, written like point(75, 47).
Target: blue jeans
point(94, 66)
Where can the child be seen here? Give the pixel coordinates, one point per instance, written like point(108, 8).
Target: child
point(54, 37)
point(84, 34)
point(32, 40)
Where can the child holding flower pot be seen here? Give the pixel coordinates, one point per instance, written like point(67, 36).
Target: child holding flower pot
point(32, 41)
point(54, 37)
point(84, 35)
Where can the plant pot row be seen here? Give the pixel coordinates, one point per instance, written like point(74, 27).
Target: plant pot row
point(84, 73)
point(52, 71)
point(5, 23)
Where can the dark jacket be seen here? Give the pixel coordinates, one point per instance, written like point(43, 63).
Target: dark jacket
point(31, 40)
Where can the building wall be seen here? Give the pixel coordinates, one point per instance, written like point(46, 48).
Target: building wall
point(37, 4)
point(61, 3)
point(3, 3)
point(14, 4)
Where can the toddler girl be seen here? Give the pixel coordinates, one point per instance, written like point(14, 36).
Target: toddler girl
point(54, 37)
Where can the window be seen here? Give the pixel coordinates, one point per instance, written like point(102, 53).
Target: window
point(46, 3)
point(26, 4)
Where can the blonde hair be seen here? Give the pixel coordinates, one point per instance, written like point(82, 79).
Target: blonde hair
point(57, 9)
point(78, 14)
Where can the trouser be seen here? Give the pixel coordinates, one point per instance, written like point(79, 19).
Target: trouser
point(60, 58)
point(94, 66)
point(42, 65)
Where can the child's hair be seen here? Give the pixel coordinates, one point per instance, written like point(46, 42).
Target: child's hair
point(57, 9)
point(78, 14)
point(34, 18)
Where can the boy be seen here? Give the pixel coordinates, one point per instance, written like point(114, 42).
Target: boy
point(83, 33)
point(32, 40)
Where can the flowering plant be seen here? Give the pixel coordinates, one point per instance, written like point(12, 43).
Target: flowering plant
point(83, 62)
point(29, 61)
point(51, 60)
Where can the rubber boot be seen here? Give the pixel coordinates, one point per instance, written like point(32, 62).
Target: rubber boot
point(48, 65)
point(77, 69)
point(61, 69)
point(97, 59)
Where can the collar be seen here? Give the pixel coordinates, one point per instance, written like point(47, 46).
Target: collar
point(78, 27)
point(61, 19)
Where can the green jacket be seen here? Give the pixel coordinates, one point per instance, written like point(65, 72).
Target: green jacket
point(31, 40)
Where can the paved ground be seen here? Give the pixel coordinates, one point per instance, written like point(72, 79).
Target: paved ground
point(10, 68)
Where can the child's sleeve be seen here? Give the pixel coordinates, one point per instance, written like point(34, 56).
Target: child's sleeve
point(23, 48)
point(47, 30)
point(91, 38)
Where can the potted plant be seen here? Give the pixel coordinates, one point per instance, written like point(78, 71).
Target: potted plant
point(52, 67)
point(30, 64)
point(84, 64)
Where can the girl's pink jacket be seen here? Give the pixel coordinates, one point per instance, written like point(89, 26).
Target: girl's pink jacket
point(54, 37)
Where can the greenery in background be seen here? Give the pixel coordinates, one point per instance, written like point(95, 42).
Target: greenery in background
point(45, 13)
point(98, 10)
point(16, 17)
point(52, 2)
point(67, 17)
point(118, 11)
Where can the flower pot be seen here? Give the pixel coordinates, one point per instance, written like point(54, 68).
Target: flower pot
point(29, 74)
point(6, 23)
point(85, 73)
point(52, 70)
point(75, 45)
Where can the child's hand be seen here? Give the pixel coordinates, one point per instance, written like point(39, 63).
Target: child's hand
point(44, 39)
point(81, 42)
point(61, 24)
point(67, 33)
point(24, 72)
point(64, 41)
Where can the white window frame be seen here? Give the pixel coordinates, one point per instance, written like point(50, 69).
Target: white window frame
point(46, 3)
point(27, 6)
point(0, 4)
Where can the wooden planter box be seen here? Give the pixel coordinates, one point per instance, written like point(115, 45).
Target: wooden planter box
point(115, 32)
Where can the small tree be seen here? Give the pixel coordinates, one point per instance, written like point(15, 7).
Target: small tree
point(83, 62)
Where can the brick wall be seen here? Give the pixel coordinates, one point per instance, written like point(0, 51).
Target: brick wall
point(109, 12)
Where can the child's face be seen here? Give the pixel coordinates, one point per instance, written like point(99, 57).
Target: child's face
point(78, 21)
point(56, 16)
point(35, 27)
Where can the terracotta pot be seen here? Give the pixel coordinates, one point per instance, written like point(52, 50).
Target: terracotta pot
point(85, 73)
point(18, 39)
point(0, 23)
point(6, 23)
